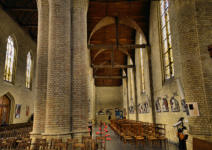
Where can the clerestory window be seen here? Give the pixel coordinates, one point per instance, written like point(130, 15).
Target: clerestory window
point(168, 63)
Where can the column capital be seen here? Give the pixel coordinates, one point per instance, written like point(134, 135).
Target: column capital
point(80, 4)
point(42, 3)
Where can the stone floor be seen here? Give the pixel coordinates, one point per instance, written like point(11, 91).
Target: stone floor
point(117, 144)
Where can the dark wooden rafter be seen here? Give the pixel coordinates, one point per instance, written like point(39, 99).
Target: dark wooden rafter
point(25, 13)
point(110, 77)
point(114, 43)
point(114, 46)
point(114, 66)
point(22, 9)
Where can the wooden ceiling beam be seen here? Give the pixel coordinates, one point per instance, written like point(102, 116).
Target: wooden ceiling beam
point(22, 9)
point(114, 66)
point(114, 46)
point(110, 77)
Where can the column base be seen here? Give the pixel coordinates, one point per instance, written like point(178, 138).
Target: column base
point(34, 136)
point(50, 136)
point(78, 134)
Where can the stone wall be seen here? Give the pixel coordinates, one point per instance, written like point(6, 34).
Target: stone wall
point(17, 92)
point(108, 98)
point(164, 89)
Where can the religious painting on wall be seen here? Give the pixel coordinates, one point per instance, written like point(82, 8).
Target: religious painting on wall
point(157, 105)
point(100, 112)
point(27, 110)
point(165, 106)
point(131, 107)
point(184, 106)
point(124, 113)
point(18, 111)
point(146, 107)
point(175, 107)
point(140, 108)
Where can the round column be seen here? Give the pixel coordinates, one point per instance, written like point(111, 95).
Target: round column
point(41, 68)
point(80, 69)
point(58, 82)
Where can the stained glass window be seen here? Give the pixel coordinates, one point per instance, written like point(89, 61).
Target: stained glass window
point(10, 60)
point(168, 63)
point(28, 70)
point(142, 68)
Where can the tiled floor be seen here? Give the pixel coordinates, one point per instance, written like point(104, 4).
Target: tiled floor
point(117, 144)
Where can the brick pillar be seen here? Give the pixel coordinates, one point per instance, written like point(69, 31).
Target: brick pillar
point(80, 68)
point(58, 82)
point(41, 68)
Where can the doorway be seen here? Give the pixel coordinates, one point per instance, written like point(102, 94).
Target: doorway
point(4, 110)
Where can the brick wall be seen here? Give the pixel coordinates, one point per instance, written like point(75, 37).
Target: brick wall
point(18, 92)
point(204, 28)
point(190, 23)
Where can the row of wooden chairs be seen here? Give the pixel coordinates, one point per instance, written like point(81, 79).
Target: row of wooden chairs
point(140, 132)
point(43, 144)
point(70, 144)
point(15, 126)
point(22, 132)
point(15, 143)
point(16, 130)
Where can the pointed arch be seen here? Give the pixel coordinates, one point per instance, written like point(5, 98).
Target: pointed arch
point(108, 20)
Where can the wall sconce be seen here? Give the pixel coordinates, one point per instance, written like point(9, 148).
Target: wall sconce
point(210, 50)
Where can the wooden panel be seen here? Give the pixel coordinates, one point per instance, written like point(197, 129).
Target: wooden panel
point(4, 110)
point(201, 144)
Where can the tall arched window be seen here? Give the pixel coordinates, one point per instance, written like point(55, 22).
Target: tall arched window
point(10, 60)
point(29, 70)
point(168, 64)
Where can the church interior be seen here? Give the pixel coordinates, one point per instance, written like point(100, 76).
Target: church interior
point(106, 74)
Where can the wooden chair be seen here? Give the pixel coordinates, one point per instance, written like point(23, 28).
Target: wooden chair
point(41, 144)
point(9, 143)
point(127, 133)
point(78, 146)
point(138, 135)
point(24, 143)
point(85, 138)
point(90, 144)
point(55, 143)
point(70, 143)
point(101, 142)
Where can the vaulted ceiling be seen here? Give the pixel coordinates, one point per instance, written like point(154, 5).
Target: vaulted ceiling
point(107, 62)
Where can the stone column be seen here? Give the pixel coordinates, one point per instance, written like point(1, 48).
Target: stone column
point(149, 53)
point(127, 86)
point(58, 81)
point(80, 68)
point(136, 95)
point(41, 68)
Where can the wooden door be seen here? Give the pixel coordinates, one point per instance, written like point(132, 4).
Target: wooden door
point(4, 110)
